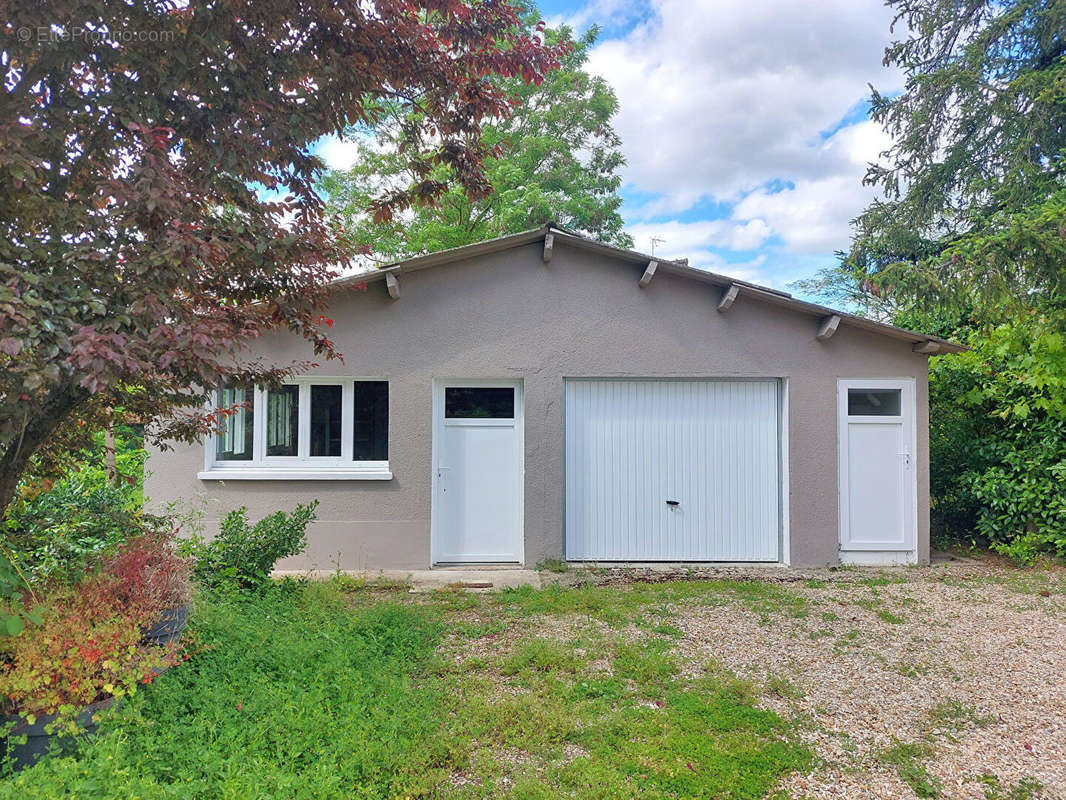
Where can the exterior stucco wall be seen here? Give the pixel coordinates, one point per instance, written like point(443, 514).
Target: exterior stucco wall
point(508, 315)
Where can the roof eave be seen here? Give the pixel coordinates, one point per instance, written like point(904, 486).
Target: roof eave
point(927, 345)
point(446, 256)
point(943, 345)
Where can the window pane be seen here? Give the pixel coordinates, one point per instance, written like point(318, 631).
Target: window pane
point(326, 420)
point(371, 421)
point(233, 442)
point(283, 421)
point(479, 402)
point(874, 402)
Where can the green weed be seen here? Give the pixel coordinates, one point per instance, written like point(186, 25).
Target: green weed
point(1025, 789)
point(953, 714)
point(910, 670)
point(907, 758)
point(480, 629)
point(553, 565)
point(291, 694)
point(890, 618)
point(617, 605)
point(541, 655)
point(881, 580)
point(648, 664)
point(847, 638)
point(783, 687)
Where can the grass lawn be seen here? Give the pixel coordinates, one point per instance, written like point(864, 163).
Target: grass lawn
point(930, 682)
point(344, 689)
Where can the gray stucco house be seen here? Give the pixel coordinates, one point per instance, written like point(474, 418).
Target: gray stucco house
point(545, 396)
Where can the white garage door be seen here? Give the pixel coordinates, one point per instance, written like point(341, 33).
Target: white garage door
point(672, 470)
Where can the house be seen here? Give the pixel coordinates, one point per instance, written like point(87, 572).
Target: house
point(543, 396)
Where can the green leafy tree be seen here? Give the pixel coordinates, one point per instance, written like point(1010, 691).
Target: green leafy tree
point(138, 261)
point(997, 438)
point(556, 158)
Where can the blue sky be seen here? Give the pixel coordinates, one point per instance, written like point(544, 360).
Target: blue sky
point(744, 124)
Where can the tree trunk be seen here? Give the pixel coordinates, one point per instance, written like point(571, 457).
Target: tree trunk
point(110, 465)
point(38, 426)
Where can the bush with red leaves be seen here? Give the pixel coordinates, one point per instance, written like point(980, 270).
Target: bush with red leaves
point(150, 575)
point(87, 647)
point(89, 644)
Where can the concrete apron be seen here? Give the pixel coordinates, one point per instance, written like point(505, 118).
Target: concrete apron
point(473, 579)
point(491, 577)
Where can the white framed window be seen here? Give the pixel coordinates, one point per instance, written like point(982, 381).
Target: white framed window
point(333, 428)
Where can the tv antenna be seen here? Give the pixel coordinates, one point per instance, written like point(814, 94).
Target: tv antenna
point(656, 240)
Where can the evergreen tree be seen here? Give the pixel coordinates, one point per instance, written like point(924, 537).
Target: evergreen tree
point(974, 206)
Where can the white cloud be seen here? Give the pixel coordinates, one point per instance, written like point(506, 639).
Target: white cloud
point(682, 239)
point(719, 99)
point(337, 153)
point(814, 215)
point(719, 102)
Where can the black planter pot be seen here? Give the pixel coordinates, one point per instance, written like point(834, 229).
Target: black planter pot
point(169, 626)
point(38, 741)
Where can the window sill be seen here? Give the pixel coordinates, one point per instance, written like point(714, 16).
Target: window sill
point(273, 474)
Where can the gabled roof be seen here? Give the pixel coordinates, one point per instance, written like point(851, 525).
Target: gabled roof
point(552, 235)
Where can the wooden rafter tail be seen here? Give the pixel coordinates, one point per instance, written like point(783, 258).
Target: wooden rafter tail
point(729, 296)
point(392, 283)
point(649, 273)
point(926, 348)
point(828, 327)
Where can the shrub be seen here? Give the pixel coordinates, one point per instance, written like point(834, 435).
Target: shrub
point(87, 641)
point(997, 432)
point(998, 442)
point(54, 531)
point(241, 557)
point(149, 574)
point(87, 647)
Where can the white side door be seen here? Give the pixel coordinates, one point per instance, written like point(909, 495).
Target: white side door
point(878, 486)
point(478, 474)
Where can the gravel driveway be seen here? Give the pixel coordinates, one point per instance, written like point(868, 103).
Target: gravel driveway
point(944, 681)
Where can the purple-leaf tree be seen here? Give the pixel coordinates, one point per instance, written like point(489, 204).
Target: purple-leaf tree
point(157, 188)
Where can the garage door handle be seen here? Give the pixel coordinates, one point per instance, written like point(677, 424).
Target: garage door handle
point(673, 502)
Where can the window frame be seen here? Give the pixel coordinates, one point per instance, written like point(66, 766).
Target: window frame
point(349, 432)
point(302, 466)
point(868, 387)
point(482, 421)
point(214, 441)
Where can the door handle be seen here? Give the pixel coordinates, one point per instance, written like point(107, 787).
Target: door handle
point(906, 459)
point(673, 503)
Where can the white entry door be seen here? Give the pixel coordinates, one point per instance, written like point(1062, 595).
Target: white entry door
point(477, 479)
point(672, 470)
point(878, 487)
